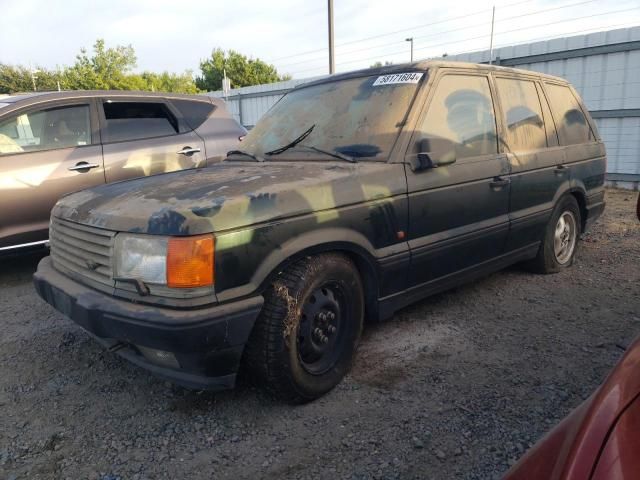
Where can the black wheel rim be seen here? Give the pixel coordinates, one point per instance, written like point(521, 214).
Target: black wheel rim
point(322, 329)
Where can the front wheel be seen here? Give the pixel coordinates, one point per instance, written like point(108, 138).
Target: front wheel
point(560, 242)
point(306, 336)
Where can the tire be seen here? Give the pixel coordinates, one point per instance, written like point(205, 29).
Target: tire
point(564, 228)
point(306, 336)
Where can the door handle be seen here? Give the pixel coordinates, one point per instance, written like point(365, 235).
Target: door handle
point(188, 151)
point(83, 166)
point(560, 170)
point(498, 183)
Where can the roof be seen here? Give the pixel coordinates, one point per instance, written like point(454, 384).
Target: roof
point(21, 99)
point(423, 66)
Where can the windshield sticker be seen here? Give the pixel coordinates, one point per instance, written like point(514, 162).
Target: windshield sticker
point(410, 77)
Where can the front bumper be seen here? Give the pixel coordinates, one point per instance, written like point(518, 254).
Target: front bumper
point(207, 342)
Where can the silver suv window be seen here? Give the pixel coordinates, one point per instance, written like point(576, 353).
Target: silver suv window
point(137, 120)
point(60, 127)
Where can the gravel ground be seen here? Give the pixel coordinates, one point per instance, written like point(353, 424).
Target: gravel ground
point(457, 386)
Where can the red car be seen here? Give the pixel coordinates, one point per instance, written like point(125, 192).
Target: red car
point(599, 440)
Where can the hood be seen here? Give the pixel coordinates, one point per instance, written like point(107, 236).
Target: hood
point(225, 196)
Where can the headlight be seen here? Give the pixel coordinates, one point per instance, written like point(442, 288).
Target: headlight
point(142, 257)
point(178, 262)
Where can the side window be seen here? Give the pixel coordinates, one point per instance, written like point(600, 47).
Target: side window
point(137, 120)
point(48, 129)
point(570, 120)
point(460, 113)
point(194, 112)
point(522, 114)
point(550, 125)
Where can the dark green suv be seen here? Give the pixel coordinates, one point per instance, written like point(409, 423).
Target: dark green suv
point(353, 197)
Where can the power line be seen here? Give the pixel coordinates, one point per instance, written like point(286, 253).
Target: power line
point(553, 37)
point(378, 57)
point(437, 34)
point(415, 27)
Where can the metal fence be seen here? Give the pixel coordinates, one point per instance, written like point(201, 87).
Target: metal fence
point(604, 67)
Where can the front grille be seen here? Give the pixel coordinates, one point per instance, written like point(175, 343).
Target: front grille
point(82, 252)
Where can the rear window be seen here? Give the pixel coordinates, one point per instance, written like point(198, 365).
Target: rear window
point(522, 114)
point(194, 112)
point(137, 120)
point(571, 123)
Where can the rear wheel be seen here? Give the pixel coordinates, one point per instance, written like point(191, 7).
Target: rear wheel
point(560, 242)
point(306, 336)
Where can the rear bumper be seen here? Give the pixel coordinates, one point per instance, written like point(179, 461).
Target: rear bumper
point(207, 343)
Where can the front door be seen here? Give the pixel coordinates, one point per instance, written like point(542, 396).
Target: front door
point(146, 137)
point(45, 153)
point(459, 212)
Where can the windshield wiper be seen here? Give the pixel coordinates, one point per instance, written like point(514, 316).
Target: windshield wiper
point(334, 153)
point(246, 154)
point(304, 135)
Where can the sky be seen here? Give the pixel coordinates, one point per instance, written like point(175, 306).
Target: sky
point(291, 34)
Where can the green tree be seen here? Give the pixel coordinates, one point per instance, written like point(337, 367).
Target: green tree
point(103, 69)
point(17, 78)
point(170, 82)
point(241, 70)
point(106, 69)
point(380, 64)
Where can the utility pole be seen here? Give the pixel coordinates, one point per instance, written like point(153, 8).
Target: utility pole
point(493, 17)
point(410, 39)
point(332, 60)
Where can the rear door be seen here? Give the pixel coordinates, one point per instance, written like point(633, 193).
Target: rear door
point(584, 152)
point(46, 151)
point(211, 121)
point(536, 159)
point(458, 213)
point(144, 137)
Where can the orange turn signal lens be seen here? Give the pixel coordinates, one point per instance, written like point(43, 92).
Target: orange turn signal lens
point(190, 261)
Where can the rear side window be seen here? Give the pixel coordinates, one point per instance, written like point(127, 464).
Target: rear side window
point(137, 120)
point(194, 112)
point(49, 129)
point(461, 111)
point(571, 123)
point(522, 114)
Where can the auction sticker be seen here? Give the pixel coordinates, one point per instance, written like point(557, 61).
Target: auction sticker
point(409, 77)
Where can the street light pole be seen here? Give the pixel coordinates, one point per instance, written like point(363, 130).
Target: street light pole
point(332, 63)
point(410, 39)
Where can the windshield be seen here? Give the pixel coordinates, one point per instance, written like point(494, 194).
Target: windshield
point(359, 117)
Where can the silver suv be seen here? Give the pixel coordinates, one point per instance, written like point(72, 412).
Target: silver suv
point(54, 143)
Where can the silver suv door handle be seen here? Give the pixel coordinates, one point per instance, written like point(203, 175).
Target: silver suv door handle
point(83, 166)
point(188, 151)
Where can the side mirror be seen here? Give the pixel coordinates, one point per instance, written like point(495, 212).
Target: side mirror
point(434, 153)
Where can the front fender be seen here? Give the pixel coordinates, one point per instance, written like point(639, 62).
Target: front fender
point(246, 259)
